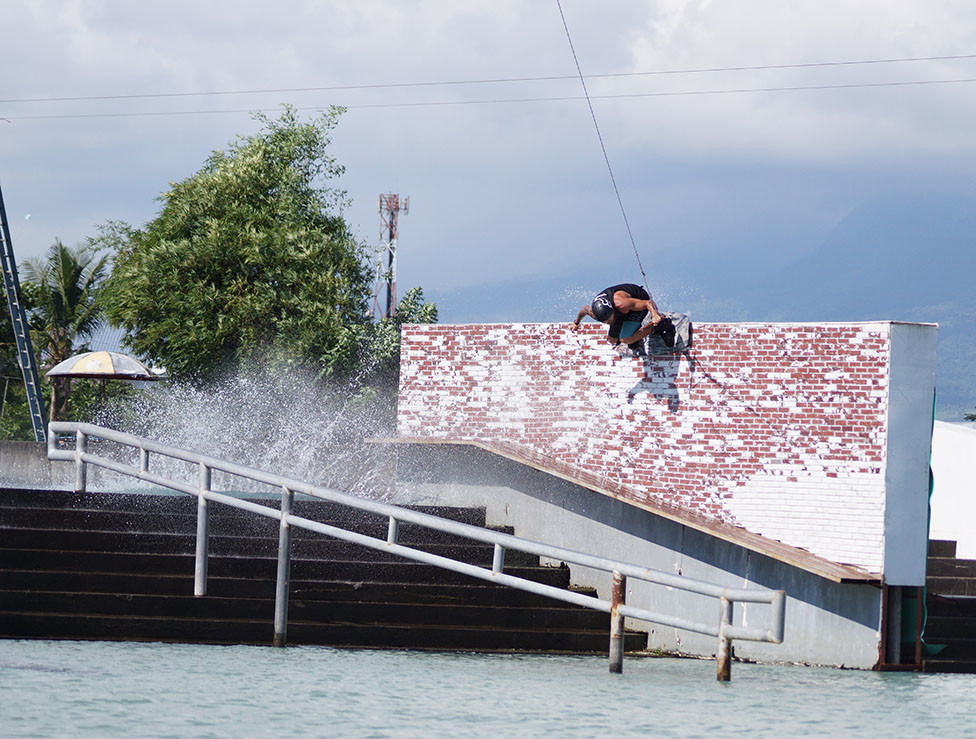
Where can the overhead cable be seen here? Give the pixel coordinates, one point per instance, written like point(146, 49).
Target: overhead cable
point(494, 101)
point(492, 81)
point(603, 147)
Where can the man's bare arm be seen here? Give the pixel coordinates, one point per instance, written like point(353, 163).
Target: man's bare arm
point(625, 304)
point(584, 311)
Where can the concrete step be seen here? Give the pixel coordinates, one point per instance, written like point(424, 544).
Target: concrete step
point(472, 593)
point(178, 503)
point(949, 627)
point(104, 566)
point(395, 636)
point(956, 648)
point(220, 524)
point(952, 623)
point(397, 570)
point(951, 585)
point(949, 606)
point(951, 567)
point(942, 548)
point(552, 614)
point(317, 547)
point(949, 666)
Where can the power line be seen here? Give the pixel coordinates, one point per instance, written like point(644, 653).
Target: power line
point(495, 101)
point(606, 157)
point(492, 81)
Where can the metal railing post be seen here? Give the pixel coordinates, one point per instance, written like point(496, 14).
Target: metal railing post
point(724, 655)
point(81, 471)
point(284, 569)
point(393, 531)
point(203, 534)
point(618, 597)
point(777, 617)
point(498, 559)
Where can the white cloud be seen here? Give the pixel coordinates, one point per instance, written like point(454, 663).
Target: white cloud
point(496, 188)
point(837, 125)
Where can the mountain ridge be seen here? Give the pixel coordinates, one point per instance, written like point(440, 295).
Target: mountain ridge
point(907, 260)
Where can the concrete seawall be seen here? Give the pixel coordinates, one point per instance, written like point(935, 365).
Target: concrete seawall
point(24, 464)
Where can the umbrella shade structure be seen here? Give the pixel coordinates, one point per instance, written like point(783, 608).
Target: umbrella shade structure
point(103, 366)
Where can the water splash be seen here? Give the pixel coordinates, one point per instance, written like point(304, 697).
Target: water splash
point(287, 423)
point(573, 297)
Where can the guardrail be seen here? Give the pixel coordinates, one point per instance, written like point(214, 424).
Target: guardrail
point(724, 629)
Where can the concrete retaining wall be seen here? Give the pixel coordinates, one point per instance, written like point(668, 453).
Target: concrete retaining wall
point(24, 464)
point(827, 623)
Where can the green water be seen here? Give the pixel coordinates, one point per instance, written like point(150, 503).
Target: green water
point(106, 689)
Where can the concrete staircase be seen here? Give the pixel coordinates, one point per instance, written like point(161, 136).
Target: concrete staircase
point(951, 604)
point(120, 567)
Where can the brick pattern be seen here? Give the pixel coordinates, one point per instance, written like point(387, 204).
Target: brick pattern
point(779, 428)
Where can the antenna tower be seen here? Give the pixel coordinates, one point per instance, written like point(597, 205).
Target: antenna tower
point(389, 206)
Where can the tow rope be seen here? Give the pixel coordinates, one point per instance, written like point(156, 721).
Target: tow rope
point(606, 158)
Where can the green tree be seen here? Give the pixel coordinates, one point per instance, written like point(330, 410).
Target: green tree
point(62, 290)
point(382, 354)
point(248, 256)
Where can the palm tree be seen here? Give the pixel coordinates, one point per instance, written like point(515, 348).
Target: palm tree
point(63, 290)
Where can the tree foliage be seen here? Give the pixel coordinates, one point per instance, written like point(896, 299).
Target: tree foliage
point(248, 260)
point(62, 290)
point(60, 295)
point(250, 256)
point(383, 352)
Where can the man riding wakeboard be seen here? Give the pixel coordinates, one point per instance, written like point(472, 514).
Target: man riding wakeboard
point(624, 308)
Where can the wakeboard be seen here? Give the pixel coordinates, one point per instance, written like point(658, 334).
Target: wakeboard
point(675, 335)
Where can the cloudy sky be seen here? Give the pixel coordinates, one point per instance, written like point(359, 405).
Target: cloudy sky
point(504, 170)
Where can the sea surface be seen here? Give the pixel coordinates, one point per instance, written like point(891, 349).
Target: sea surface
point(115, 689)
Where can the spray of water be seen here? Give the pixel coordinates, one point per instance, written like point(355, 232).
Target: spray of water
point(285, 422)
point(572, 298)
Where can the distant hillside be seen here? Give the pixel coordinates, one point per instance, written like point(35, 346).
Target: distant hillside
point(884, 260)
point(911, 260)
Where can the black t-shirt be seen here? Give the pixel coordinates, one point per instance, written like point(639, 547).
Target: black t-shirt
point(634, 291)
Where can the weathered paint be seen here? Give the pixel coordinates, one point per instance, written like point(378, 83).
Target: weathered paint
point(618, 597)
point(724, 656)
point(782, 429)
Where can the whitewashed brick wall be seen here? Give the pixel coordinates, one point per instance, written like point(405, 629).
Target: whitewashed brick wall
point(778, 428)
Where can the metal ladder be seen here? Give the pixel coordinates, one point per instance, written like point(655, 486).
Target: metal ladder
point(18, 318)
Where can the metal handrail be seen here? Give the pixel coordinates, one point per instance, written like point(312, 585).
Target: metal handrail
point(725, 630)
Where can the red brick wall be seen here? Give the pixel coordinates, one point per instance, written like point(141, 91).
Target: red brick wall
point(780, 428)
